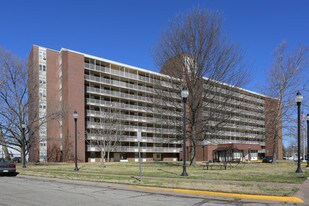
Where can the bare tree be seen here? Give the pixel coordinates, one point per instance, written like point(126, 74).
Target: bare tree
point(168, 107)
point(3, 76)
point(291, 149)
point(194, 50)
point(287, 75)
point(18, 129)
point(106, 133)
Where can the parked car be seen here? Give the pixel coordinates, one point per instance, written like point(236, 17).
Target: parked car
point(268, 159)
point(16, 159)
point(7, 168)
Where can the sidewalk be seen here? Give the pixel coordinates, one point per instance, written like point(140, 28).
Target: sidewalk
point(303, 192)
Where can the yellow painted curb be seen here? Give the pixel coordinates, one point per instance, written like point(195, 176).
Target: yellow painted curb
point(223, 194)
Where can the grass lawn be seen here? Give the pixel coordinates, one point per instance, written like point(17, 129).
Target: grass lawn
point(265, 179)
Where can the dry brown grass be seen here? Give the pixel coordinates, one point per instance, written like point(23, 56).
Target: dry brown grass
point(264, 179)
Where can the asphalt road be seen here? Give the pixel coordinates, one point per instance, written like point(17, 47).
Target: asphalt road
point(20, 191)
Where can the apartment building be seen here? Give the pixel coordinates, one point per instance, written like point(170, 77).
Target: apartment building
point(114, 101)
point(243, 125)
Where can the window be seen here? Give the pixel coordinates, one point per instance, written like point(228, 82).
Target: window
point(253, 153)
point(237, 155)
point(42, 67)
point(42, 131)
point(92, 154)
point(42, 92)
point(42, 55)
point(42, 80)
point(42, 106)
point(42, 144)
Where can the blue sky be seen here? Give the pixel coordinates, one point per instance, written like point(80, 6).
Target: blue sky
point(127, 30)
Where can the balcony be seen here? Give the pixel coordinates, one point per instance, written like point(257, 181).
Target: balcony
point(131, 107)
point(135, 149)
point(122, 95)
point(130, 86)
point(133, 118)
point(119, 84)
point(233, 103)
point(128, 75)
point(125, 138)
point(239, 94)
point(95, 125)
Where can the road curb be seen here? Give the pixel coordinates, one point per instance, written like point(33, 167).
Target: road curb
point(226, 195)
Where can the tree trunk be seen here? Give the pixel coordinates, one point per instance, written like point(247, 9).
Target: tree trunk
point(192, 147)
point(4, 147)
point(275, 151)
point(108, 156)
point(192, 153)
point(6, 153)
point(102, 158)
point(275, 146)
point(23, 155)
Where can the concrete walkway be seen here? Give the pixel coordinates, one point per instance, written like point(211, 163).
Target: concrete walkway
point(303, 192)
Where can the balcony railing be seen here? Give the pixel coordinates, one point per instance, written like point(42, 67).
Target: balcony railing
point(128, 75)
point(131, 86)
point(130, 96)
point(124, 138)
point(165, 83)
point(237, 103)
point(135, 149)
point(96, 125)
point(233, 110)
point(118, 105)
point(239, 94)
point(236, 134)
point(133, 118)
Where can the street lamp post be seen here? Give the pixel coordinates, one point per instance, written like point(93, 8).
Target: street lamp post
point(23, 145)
point(298, 100)
point(203, 152)
point(75, 116)
point(184, 95)
point(307, 118)
point(293, 153)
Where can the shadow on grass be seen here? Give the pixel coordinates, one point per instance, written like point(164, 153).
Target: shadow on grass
point(302, 176)
point(81, 167)
point(136, 178)
point(168, 163)
point(169, 172)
